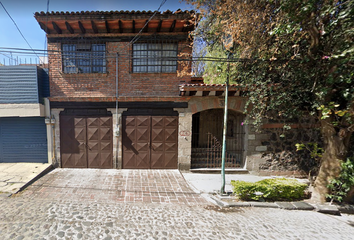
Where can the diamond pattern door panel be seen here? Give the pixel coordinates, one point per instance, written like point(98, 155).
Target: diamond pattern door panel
point(86, 142)
point(150, 142)
point(73, 142)
point(136, 142)
point(164, 138)
point(99, 142)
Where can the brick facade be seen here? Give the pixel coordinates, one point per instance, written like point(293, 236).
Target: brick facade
point(102, 86)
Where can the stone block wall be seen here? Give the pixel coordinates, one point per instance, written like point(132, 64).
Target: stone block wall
point(272, 150)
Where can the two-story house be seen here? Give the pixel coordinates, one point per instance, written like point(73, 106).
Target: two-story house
point(23, 132)
point(119, 101)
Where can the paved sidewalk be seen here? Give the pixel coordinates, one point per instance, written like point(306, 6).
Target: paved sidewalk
point(111, 185)
point(14, 176)
point(211, 183)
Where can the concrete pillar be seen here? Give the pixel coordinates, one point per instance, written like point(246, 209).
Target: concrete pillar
point(184, 139)
point(49, 130)
point(117, 136)
point(56, 138)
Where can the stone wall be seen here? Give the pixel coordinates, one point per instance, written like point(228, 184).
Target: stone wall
point(272, 150)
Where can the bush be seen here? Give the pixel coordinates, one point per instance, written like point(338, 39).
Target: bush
point(340, 186)
point(277, 189)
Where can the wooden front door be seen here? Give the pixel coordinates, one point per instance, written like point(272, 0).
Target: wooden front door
point(150, 142)
point(86, 141)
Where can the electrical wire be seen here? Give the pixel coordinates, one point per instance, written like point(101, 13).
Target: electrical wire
point(136, 37)
point(27, 52)
point(18, 29)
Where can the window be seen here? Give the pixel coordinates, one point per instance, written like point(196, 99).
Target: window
point(154, 57)
point(84, 58)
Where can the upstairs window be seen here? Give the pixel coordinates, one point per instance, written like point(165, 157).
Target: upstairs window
point(154, 58)
point(84, 58)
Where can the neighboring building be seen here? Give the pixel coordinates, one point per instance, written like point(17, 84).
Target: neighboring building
point(118, 101)
point(23, 132)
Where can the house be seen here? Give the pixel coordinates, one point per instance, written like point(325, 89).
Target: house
point(23, 131)
point(118, 101)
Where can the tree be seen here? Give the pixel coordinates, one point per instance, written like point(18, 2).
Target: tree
point(298, 59)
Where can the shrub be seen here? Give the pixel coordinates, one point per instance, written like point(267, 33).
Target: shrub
point(340, 186)
point(277, 189)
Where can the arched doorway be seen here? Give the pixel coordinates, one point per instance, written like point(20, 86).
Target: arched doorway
point(207, 135)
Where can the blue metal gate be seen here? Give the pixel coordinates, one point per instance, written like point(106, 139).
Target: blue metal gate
point(23, 140)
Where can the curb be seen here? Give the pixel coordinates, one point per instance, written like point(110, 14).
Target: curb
point(41, 174)
point(301, 206)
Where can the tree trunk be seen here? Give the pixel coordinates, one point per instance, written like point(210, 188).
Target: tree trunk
point(334, 152)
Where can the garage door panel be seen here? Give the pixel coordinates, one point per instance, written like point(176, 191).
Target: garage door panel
point(100, 141)
point(170, 160)
point(136, 138)
point(142, 121)
point(146, 143)
point(142, 161)
point(83, 139)
point(23, 140)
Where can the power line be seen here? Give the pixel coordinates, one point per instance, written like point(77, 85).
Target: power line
point(18, 29)
point(136, 38)
point(53, 53)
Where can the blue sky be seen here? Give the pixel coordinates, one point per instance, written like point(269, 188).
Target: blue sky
point(22, 11)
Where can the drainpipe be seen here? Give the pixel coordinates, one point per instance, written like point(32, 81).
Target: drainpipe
point(117, 130)
point(222, 191)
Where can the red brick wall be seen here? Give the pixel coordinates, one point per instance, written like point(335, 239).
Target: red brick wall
point(103, 85)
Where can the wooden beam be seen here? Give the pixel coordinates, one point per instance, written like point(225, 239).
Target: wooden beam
point(70, 29)
point(107, 27)
point(120, 26)
point(175, 35)
point(56, 27)
point(185, 27)
point(158, 29)
point(173, 26)
point(83, 30)
point(94, 27)
point(133, 26)
point(147, 26)
point(44, 27)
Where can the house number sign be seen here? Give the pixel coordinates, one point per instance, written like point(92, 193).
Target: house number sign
point(184, 133)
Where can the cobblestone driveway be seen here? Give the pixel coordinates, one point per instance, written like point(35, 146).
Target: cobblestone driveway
point(111, 185)
point(35, 214)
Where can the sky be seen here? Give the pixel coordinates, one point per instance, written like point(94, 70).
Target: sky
point(22, 12)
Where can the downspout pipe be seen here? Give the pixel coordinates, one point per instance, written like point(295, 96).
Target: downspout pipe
point(117, 64)
point(117, 130)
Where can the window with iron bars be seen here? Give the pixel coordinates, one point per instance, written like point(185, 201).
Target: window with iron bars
point(154, 57)
point(84, 58)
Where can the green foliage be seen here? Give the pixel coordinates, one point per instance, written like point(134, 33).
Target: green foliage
point(277, 189)
point(340, 186)
point(315, 151)
point(296, 57)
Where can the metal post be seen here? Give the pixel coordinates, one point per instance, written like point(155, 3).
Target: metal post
point(222, 191)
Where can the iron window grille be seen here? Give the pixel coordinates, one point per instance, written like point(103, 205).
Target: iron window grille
point(154, 57)
point(84, 58)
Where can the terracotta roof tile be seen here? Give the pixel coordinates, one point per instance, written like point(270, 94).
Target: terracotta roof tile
point(179, 11)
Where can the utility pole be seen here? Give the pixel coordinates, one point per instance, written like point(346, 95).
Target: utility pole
point(222, 191)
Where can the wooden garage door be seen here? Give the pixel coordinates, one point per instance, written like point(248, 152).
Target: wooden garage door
point(150, 142)
point(86, 142)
